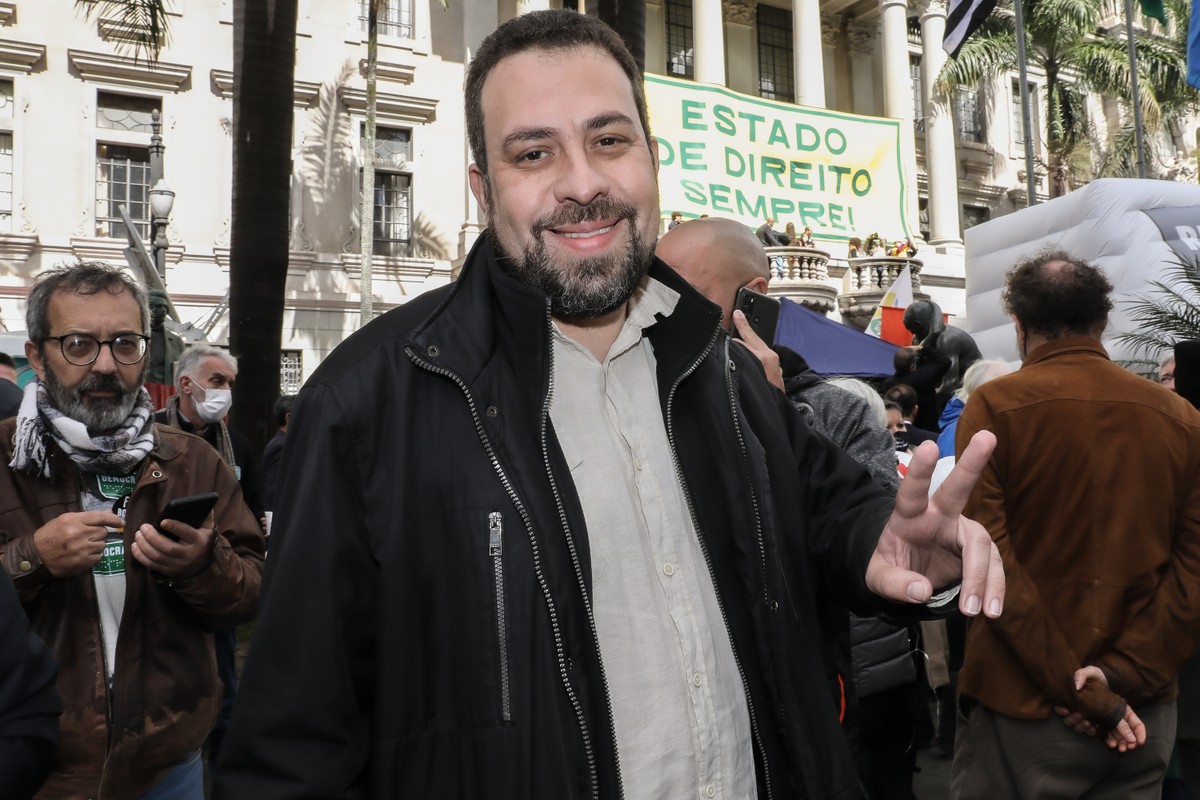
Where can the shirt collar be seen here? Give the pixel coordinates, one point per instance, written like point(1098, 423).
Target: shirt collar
point(650, 300)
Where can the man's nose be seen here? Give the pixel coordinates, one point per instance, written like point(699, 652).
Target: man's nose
point(582, 178)
point(105, 363)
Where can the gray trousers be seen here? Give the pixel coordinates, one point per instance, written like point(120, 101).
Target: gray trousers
point(998, 757)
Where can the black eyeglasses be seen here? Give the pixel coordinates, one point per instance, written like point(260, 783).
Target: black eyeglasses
point(82, 349)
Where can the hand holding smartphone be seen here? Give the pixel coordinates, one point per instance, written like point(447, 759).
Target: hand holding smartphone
point(762, 312)
point(192, 511)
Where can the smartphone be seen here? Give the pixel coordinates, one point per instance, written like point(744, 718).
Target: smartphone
point(761, 312)
point(192, 511)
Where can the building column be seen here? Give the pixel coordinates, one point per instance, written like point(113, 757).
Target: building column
point(708, 41)
point(741, 69)
point(808, 60)
point(941, 170)
point(898, 99)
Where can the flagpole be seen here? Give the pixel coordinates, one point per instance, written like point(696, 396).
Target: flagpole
point(1026, 127)
point(1136, 95)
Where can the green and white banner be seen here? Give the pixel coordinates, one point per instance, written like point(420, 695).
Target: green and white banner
point(727, 154)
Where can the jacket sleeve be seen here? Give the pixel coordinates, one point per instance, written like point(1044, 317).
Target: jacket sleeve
point(301, 725)
point(29, 702)
point(1025, 628)
point(1143, 662)
point(225, 593)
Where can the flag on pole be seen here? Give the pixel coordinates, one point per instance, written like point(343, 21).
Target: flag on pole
point(1154, 9)
point(1193, 51)
point(964, 18)
point(899, 294)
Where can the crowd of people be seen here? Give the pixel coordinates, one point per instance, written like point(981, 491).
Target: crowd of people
point(552, 531)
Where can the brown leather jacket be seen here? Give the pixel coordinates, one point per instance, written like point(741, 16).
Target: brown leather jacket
point(166, 690)
point(1093, 498)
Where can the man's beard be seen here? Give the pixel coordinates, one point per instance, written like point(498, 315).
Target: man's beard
point(97, 414)
point(586, 288)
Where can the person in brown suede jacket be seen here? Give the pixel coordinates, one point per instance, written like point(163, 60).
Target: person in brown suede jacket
point(127, 603)
point(1093, 499)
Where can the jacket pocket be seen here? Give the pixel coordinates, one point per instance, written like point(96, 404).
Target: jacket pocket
point(496, 553)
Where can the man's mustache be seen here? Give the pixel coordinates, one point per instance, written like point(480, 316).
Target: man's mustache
point(575, 213)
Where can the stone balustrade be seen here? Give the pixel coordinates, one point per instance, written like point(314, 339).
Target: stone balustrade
point(868, 279)
point(805, 278)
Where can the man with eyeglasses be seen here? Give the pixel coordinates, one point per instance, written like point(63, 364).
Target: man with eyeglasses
point(127, 602)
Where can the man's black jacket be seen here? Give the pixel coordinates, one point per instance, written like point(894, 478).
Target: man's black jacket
point(399, 654)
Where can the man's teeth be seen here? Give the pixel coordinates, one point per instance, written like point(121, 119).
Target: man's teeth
point(587, 234)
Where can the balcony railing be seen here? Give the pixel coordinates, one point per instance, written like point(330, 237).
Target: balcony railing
point(805, 278)
point(869, 278)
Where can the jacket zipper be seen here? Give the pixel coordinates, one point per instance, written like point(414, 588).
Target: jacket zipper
point(496, 551)
point(754, 730)
point(587, 602)
point(536, 554)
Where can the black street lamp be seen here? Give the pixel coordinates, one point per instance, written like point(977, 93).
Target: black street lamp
point(161, 201)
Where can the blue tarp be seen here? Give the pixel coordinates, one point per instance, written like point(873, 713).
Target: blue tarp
point(830, 347)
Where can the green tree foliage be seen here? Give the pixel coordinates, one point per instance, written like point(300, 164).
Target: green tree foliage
point(1065, 42)
point(1169, 313)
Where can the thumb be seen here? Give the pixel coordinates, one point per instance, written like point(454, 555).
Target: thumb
point(901, 585)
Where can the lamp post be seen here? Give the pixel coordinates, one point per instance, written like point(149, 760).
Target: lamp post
point(161, 201)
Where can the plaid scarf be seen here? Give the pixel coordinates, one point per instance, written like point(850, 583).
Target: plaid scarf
point(118, 453)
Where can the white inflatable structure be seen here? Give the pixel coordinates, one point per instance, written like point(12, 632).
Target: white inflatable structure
point(1132, 229)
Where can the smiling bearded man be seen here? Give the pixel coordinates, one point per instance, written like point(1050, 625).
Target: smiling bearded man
point(552, 535)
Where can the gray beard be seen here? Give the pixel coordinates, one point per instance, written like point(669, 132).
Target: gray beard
point(98, 416)
point(594, 286)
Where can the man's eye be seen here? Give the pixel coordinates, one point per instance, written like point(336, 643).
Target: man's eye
point(78, 344)
point(532, 156)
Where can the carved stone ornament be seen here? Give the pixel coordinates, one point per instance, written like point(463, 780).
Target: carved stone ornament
point(742, 12)
point(862, 37)
point(931, 8)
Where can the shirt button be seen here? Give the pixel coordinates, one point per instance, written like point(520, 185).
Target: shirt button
point(24, 566)
point(710, 790)
point(697, 680)
point(638, 464)
point(668, 569)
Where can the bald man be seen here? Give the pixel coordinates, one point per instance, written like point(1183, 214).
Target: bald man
point(719, 256)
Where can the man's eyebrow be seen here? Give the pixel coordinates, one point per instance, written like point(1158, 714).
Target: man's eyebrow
point(527, 135)
point(606, 120)
point(598, 122)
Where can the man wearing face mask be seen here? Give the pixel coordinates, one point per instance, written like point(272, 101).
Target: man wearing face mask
point(204, 378)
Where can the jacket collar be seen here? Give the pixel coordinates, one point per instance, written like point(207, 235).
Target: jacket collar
point(1068, 345)
point(487, 310)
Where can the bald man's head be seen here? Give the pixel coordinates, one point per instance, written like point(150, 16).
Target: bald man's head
point(718, 257)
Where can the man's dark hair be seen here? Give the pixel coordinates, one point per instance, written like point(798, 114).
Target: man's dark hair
point(83, 277)
point(7, 361)
point(903, 396)
point(904, 360)
point(543, 30)
point(283, 407)
point(1053, 294)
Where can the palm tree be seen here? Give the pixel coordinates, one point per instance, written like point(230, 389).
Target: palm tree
point(264, 58)
point(1063, 40)
point(142, 28)
point(1170, 314)
point(264, 62)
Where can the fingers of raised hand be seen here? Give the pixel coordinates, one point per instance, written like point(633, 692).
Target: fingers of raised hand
point(983, 583)
point(952, 495)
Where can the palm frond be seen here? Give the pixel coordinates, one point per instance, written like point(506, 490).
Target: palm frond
point(139, 26)
point(1169, 313)
point(991, 50)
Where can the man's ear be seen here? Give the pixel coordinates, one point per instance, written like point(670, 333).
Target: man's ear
point(478, 181)
point(654, 152)
point(34, 356)
point(759, 285)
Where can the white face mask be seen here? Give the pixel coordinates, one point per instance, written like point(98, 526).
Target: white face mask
point(214, 406)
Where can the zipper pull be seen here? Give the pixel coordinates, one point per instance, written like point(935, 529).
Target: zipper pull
point(495, 531)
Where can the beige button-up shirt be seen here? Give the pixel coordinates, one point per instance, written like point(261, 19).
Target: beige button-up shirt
point(679, 706)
